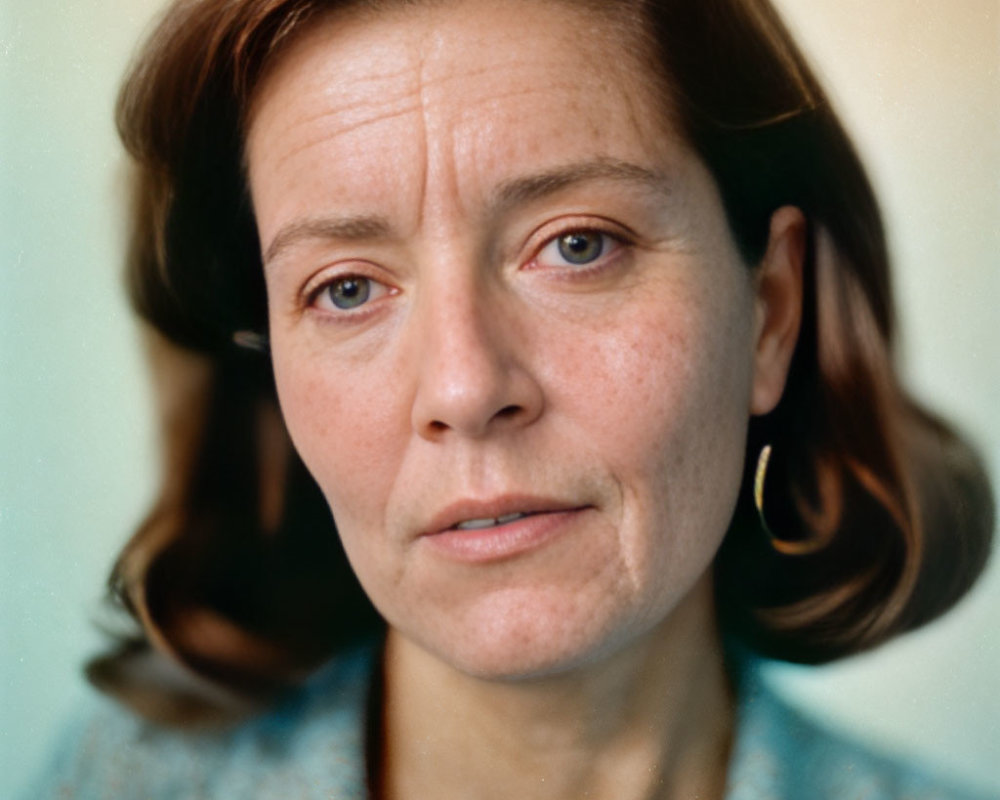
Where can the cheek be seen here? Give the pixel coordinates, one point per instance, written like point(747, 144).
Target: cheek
point(672, 380)
point(667, 412)
point(341, 430)
point(347, 434)
point(702, 398)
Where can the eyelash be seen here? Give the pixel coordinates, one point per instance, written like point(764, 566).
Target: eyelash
point(312, 295)
point(612, 245)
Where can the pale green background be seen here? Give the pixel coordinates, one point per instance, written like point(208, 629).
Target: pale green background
point(918, 82)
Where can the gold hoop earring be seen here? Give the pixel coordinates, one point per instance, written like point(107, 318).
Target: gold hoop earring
point(787, 547)
point(759, 478)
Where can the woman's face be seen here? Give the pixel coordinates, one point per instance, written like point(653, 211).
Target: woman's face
point(512, 338)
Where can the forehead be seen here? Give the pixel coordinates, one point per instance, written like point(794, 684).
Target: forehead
point(474, 88)
point(420, 37)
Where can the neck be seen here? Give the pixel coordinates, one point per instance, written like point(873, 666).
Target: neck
point(653, 721)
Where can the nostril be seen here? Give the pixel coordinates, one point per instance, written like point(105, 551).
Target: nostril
point(437, 426)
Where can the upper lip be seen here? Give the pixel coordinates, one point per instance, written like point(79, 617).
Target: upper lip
point(469, 509)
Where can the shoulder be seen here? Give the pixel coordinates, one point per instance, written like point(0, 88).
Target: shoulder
point(782, 755)
point(311, 745)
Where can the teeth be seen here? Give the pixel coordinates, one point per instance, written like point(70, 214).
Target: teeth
point(488, 522)
point(476, 524)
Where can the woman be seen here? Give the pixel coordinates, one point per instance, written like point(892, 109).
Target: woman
point(546, 288)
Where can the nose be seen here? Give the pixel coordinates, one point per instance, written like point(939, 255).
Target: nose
point(470, 361)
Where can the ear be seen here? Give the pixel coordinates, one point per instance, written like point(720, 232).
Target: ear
point(777, 307)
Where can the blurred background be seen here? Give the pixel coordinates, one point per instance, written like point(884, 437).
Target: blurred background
point(918, 83)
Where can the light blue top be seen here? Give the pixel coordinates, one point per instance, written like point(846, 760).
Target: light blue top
point(312, 747)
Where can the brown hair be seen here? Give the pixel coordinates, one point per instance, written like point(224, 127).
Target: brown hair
point(885, 516)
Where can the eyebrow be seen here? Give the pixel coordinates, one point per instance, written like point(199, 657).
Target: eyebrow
point(509, 194)
point(518, 191)
point(352, 228)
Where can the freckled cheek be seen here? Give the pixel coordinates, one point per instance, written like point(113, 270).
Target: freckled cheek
point(343, 436)
point(660, 397)
point(631, 382)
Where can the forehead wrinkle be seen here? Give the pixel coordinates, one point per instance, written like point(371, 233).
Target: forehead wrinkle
point(349, 128)
point(366, 86)
point(492, 97)
point(449, 76)
point(423, 164)
point(434, 82)
point(345, 108)
point(527, 69)
point(369, 91)
point(518, 190)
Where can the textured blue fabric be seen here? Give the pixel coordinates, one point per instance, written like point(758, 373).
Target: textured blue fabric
point(781, 755)
point(312, 748)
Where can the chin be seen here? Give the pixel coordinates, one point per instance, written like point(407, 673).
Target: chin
point(517, 640)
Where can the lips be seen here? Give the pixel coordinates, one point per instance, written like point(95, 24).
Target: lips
point(485, 533)
point(478, 515)
point(489, 522)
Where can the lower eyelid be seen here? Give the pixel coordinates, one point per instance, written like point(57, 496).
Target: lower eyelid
point(615, 241)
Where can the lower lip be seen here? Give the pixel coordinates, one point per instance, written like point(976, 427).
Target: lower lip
point(502, 541)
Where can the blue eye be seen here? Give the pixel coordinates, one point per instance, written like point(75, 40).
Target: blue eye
point(350, 292)
point(346, 295)
point(581, 247)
